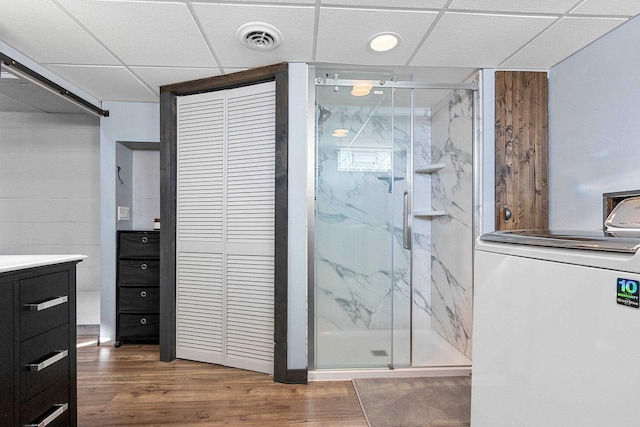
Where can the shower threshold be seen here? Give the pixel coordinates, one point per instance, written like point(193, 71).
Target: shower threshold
point(340, 352)
point(350, 374)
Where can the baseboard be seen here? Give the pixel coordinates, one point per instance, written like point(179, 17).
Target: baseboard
point(88, 329)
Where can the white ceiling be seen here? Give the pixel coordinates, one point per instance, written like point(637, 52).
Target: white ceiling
point(122, 50)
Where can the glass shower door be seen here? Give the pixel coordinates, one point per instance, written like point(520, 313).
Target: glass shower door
point(355, 228)
point(402, 241)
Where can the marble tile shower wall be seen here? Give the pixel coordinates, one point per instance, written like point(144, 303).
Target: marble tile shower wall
point(421, 249)
point(353, 215)
point(358, 221)
point(452, 235)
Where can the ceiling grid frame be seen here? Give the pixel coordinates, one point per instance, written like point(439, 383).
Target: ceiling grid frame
point(105, 47)
point(88, 69)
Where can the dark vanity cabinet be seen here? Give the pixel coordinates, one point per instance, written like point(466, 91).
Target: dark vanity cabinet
point(38, 346)
point(138, 287)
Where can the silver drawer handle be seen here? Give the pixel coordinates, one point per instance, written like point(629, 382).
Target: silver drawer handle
point(143, 321)
point(144, 239)
point(144, 266)
point(143, 294)
point(60, 354)
point(47, 304)
point(61, 408)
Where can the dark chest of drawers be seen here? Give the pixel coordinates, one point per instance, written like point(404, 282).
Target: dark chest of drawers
point(138, 287)
point(38, 346)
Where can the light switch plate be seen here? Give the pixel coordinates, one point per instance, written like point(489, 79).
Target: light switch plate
point(123, 213)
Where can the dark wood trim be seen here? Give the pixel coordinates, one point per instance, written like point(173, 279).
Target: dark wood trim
point(281, 227)
point(168, 175)
point(296, 376)
point(168, 167)
point(226, 81)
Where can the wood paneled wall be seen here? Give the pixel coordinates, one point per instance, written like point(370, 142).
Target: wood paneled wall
point(521, 139)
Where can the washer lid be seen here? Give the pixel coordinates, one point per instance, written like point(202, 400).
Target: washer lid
point(582, 240)
point(624, 219)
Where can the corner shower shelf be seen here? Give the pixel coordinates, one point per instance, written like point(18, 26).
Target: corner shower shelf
point(431, 168)
point(428, 214)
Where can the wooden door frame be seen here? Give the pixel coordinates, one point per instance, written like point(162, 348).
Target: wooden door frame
point(168, 178)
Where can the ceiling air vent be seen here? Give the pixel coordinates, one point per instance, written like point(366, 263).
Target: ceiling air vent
point(259, 36)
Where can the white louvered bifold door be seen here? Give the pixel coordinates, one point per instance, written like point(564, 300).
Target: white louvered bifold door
point(225, 227)
point(200, 325)
point(250, 226)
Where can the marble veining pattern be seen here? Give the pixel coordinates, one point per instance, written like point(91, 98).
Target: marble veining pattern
point(421, 245)
point(363, 273)
point(452, 235)
point(354, 227)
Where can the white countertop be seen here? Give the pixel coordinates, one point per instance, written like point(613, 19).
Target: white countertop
point(21, 262)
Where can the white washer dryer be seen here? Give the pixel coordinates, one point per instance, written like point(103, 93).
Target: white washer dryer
point(556, 330)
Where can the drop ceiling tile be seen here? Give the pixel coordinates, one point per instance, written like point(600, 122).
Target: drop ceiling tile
point(518, 6)
point(343, 35)
point(609, 7)
point(484, 41)
point(160, 76)
point(560, 41)
point(415, 4)
point(105, 83)
point(307, 2)
point(145, 33)
point(42, 31)
point(295, 23)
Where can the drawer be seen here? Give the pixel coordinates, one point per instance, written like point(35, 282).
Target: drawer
point(44, 302)
point(48, 405)
point(139, 299)
point(138, 326)
point(139, 272)
point(139, 245)
point(43, 361)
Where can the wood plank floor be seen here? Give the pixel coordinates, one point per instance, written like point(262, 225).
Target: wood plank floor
point(129, 386)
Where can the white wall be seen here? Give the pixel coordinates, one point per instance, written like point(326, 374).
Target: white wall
point(485, 207)
point(146, 188)
point(49, 194)
point(594, 128)
point(127, 121)
point(124, 180)
point(299, 138)
point(138, 187)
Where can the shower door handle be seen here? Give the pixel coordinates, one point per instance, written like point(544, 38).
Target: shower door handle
point(406, 222)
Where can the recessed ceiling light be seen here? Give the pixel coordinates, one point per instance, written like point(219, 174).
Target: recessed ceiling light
point(340, 133)
point(361, 89)
point(384, 42)
point(359, 93)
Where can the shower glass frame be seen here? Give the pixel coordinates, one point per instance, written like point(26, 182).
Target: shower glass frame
point(388, 83)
